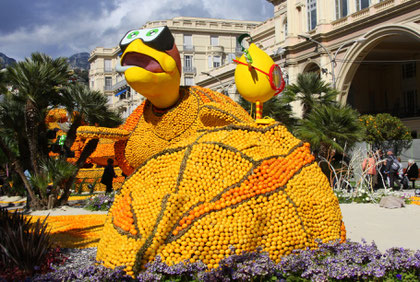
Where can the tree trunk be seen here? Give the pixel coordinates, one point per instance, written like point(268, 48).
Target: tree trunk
point(306, 110)
point(71, 134)
point(88, 149)
point(31, 124)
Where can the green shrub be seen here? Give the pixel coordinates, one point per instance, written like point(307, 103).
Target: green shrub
point(384, 131)
point(14, 186)
point(22, 244)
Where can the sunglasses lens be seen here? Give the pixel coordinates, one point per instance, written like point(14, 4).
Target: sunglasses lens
point(276, 76)
point(159, 38)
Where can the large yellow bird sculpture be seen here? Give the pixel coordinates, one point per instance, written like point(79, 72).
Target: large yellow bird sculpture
point(203, 175)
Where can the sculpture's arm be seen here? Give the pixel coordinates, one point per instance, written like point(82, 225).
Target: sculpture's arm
point(86, 132)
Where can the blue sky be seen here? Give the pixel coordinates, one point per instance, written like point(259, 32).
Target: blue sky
point(65, 27)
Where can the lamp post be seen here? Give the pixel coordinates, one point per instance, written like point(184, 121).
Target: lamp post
point(328, 53)
point(332, 59)
point(220, 82)
point(361, 39)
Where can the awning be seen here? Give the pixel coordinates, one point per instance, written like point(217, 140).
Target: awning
point(121, 92)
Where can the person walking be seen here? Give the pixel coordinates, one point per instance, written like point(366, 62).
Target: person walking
point(108, 176)
point(392, 167)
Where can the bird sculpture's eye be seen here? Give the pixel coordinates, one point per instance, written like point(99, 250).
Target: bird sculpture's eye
point(132, 34)
point(152, 32)
point(277, 76)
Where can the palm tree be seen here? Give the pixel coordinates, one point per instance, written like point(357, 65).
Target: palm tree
point(85, 105)
point(310, 90)
point(35, 83)
point(330, 129)
point(40, 84)
point(37, 80)
point(3, 82)
point(13, 141)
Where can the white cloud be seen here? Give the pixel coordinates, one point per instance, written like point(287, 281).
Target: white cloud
point(65, 35)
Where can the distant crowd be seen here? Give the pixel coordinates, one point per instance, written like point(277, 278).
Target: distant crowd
point(387, 171)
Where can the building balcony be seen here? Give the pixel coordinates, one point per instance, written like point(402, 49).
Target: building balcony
point(189, 70)
point(188, 48)
point(119, 85)
point(370, 11)
point(215, 49)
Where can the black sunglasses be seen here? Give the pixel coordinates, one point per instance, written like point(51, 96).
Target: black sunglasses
point(159, 38)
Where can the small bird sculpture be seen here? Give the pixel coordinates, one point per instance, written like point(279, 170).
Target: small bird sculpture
point(257, 77)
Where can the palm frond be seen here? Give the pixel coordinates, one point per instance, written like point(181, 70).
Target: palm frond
point(310, 90)
point(332, 126)
point(91, 105)
point(36, 78)
point(58, 169)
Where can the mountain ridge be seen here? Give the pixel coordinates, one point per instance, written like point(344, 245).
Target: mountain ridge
point(76, 61)
point(6, 61)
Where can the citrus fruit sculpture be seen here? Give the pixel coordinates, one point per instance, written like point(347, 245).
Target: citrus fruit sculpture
point(204, 176)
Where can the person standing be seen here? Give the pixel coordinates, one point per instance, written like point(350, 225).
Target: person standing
point(108, 176)
point(392, 167)
point(380, 176)
point(28, 196)
point(412, 172)
point(369, 167)
point(401, 177)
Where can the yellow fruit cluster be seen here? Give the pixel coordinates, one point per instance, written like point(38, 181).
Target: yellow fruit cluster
point(103, 152)
point(415, 200)
point(243, 185)
point(71, 231)
point(56, 115)
point(89, 132)
point(197, 109)
point(88, 176)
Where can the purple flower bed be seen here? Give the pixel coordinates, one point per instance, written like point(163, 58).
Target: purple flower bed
point(350, 261)
point(100, 202)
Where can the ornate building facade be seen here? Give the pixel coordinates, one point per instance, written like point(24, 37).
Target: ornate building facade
point(368, 49)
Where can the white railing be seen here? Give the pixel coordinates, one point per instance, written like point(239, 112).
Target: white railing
point(119, 85)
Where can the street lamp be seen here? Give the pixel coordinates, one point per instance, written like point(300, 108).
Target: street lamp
point(328, 53)
point(220, 82)
point(332, 59)
point(361, 39)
